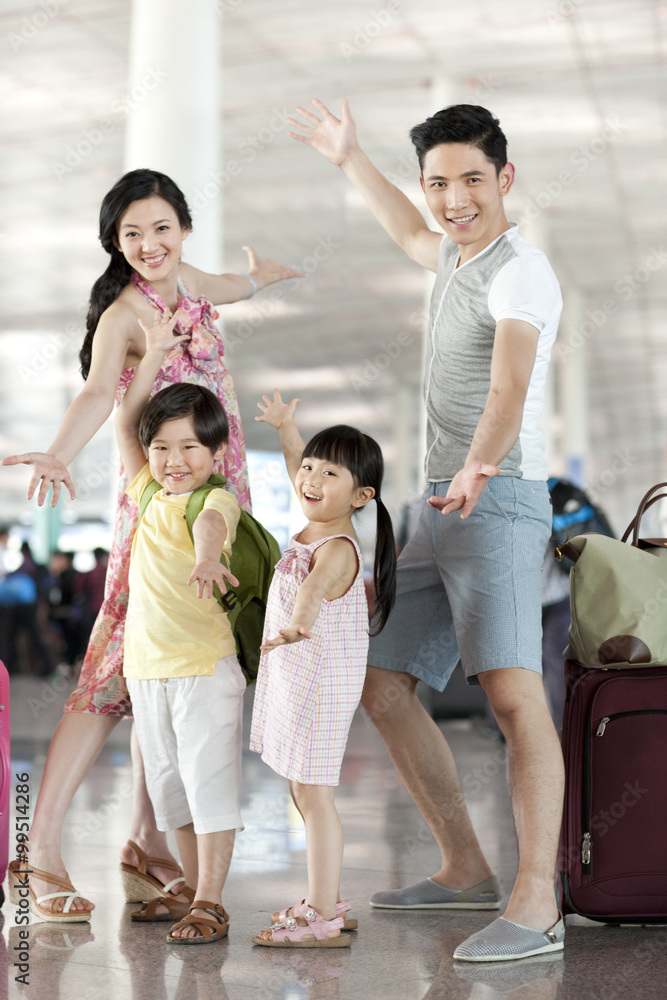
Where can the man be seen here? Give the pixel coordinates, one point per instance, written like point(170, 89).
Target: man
point(469, 583)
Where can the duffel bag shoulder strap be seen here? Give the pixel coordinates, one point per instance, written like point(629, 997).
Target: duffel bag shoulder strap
point(647, 501)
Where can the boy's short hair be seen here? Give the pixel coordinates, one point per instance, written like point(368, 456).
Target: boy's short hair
point(465, 123)
point(185, 400)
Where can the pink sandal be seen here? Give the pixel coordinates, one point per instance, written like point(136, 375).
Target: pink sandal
point(298, 910)
point(317, 933)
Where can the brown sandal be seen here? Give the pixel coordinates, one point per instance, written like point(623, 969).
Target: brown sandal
point(177, 908)
point(209, 930)
point(19, 879)
point(138, 885)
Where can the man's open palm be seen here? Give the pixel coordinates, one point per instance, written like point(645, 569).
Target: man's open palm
point(333, 137)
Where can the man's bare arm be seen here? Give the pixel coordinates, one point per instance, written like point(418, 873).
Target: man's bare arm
point(336, 139)
point(512, 363)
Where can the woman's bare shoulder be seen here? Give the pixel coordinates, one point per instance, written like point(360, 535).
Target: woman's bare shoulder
point(191, 277)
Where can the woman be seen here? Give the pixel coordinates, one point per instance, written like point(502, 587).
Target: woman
point(144, 220)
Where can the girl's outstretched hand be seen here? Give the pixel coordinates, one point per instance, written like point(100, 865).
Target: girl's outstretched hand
point(48, 470)
point(295, 633)
point(335, 138)
point(266, 271)
point(161, 335)
point(275, 412)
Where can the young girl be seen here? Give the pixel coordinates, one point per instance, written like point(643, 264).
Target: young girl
point(144, 220)
point(315, 643)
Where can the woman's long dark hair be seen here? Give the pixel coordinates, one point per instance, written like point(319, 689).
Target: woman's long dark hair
point(359, 453)
point(134, 186)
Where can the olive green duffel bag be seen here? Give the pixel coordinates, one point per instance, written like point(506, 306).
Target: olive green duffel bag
point(618, 596)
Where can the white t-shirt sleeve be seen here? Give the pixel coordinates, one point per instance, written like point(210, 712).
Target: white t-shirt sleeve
point(525, 289)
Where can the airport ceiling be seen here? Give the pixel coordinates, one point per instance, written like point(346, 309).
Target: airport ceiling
point(580, 89)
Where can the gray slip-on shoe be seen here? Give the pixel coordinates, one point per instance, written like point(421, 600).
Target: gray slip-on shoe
point(430, 895)
point(503, 940)
point(513, 975)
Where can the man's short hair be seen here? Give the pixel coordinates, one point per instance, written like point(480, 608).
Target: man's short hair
point(186, 400)
point(469, 124)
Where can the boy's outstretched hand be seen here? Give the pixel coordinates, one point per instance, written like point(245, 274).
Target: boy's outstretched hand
point(275, 411)
point(335, 138)
point(208, 572)
point(294, 633)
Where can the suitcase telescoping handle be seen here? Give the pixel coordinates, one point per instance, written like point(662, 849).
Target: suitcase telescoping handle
point(644, 505)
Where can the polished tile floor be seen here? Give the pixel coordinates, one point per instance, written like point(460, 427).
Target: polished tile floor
point(394, 956)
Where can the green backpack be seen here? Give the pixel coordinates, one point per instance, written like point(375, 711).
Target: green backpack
point(255, 553)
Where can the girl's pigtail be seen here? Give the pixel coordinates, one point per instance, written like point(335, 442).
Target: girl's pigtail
point(106, 290)
point(384, 571)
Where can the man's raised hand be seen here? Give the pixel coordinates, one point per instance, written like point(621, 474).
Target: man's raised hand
point(335, 138)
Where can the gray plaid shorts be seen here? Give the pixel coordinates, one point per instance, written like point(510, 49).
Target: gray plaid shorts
point(470, 590)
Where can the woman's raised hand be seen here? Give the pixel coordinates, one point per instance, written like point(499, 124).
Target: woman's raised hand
point(275, 412)
point(335, 138)
point(48, 471)
point(266, 271)
point(161, 335)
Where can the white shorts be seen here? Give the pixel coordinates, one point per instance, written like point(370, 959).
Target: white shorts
point(190, 734)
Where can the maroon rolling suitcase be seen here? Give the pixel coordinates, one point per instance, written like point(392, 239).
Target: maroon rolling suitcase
point(5, 776)
point(613, 850)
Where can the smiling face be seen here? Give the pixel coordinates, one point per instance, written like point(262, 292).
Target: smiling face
point(465, 195)
point(327, 492)
point(150, 238)
point(178, 460)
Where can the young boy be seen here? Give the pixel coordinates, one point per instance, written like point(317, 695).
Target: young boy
point(180, 661)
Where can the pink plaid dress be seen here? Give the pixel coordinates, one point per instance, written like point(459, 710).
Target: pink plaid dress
point(307, 692)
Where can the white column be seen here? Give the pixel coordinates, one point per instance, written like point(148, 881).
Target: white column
point(175, 95)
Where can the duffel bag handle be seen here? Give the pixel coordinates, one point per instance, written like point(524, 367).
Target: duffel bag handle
point(644, 505)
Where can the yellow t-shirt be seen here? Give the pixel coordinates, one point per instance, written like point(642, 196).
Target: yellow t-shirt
point(169, 631)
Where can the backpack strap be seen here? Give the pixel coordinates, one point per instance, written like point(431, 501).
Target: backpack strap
point(147, 496)
point(197, 498)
